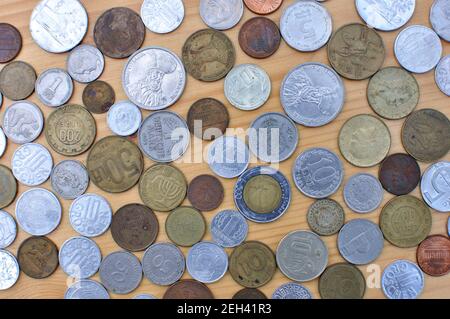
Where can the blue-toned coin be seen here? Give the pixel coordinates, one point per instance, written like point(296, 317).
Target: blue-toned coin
point(402, 279)
point(144, 296)
point(229, 228)
point(207, 262)
point(292, 290)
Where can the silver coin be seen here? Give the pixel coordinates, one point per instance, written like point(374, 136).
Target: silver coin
point(386, 15)
point(32, 164)
point(221, 14)
point(273, 137)
point(318, 173)
point(207, 262)
point(164, 136)
point(418, 49)
point(440, 18)
point(2, 142)
point(363, 193)
point(292, 290)
point(124, 118)
point(8, 229)
point(229, 228)
point(1, 99)
point(85, 63)
point(90, 215)
point(312, 94)
point(435, 186)
point(121, 272)
point(442, 75)
point(302, 255)
point(162, 16)
point(247, 87)
point(23, 122)
point(163, 264)
point(54, 87)
point(306, 25)
point(360, 241)
point(38, 212)
point(69, 179)
point(80, 257)
point(154, 78)
point(86, 289)
point(144, 296)
point(402, 279)
point(9, 270)
point(448, 226)
point(58, 25)
point(228, 156)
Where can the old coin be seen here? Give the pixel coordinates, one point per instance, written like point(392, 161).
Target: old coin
point(119, 32)
point(435, 186)
point(364, 140)
point(8, 191)
point(440, 18)
point(10, 42)
point(124, 118)
point(38, 257)
point(393, 93)
point(264, 6)
point(17, 80)
point(442, 75)
point(188, 289)
point(394, 284)
point(342, 281)
point(249, 293)
point(70, 130)
point(23, 122)
point(69, 179)
point(85, 63)
point(134, 227)
point(326, 217)
point(98, 97)
point(228, 156)
point(259, 37)
point(208, 55)
point(32, 164)
point(8, 229)
point(54, 87)
point(252, 264)
point(386, 15)
point(205, 192)
point(163, 187)
point(433, 255)
point(272, 187)
point(399, 174)
point(363, 193)
point(208, 119)
point(221, 14)
point(356, 51)
point(115, 164)
point(162, 16)
point(426, 135)
point(207, 262)
point(86, 289)
point(292, 290)
point(185, 226)
point(80, 257)
point(229, 228)
point(9, 270)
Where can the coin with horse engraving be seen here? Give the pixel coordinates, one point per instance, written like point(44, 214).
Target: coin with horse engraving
point(23, 122)
point(259, 37)
point(54, 87)
point(80, 257)
point(342, 281)
point(205, 192)
point(98, 97)
point(433, 255)
point(38, 257)
point(69, 179)
point(86, 289)
point(221, 14)
point(399, 174)
point(208, 119)
point(9, 190)
point(32, 164)
point(85, 63)
point(402, 279)
point(386, 15)
point(435, 187)
point(185, 226)
point(325, 217)
point(10, 42)
point(8, 229)
point(161, 16)
point(188, 289)
point(263, 6)
point(9, 270)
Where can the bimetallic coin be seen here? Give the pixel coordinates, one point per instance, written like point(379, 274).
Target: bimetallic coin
point(85, 63)
point(363, 193)
point(292, 290)
point(124, 118)
point(207, 262)
point(32, 164)
point(433, 255)
point(185, 226)
point(10, 43)
point(69, 179)
point(249, 293)
point(86, 289)
point(435, 186)
point(440, 18)
point(188, 289)
point(221, 14)
point(228, 156)
point(98, 97)
point(264, 6)
point(9, 270)
point(342, 281)
point(8, 229)
point(386, 15)
point(38, 257)
point(205, 192)
point(399, 174)
point(394, 284)
point(259, 37)
point(23, 122)
point(90, 215)
point(17, 80)
point(326, 217)
point(54, 87)
point(229, 228)
point(442, 75)
point(161, 16)
point(80, 257)
point(208, 119)
point(8, 191)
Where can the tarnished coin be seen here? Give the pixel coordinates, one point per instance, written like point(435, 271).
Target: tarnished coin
point(399, 174)
point(70, 130)
point(229, 228)
point(312, 94)
point(264, 6)
point(342, 281)
point(98, 97)
point(80, 257)
point(17, 80)
point(386, 15)
point(228, 156)
point(292, 290)
point(185, 226)
point(393, 93)
point(363, 193)
point(32, 164)
point(356, 51)
point(9, 270)
point(69, 179)
point(188, 289)
point(119, 32)
point(207, 262)
point(163, 264)
point(115, 164)
point(54, 87)
point(426, 135)
point(364, 140)
point(208, 119)
point(8, 229)
point(442, 75)
point(433, 255)
point(208, 55)
point(259, 37)
point(161, 16)
point(394, 284)
point(252, 264)
point(85, 63)
point(134, 227)
point(163, 187)
point(38, 257)
point(249, 293)
point(440, 18)
point(205, 192)
point(23, 122)
point(86, 289)
point(326, 217)
point(435, 186)
point(405, 221)
point(221, 14)
point(418, 49)
point(124, 118)
point(8, 191)
point(90, 215)
point(10, 42)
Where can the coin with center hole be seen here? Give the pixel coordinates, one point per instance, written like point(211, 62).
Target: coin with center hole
point(38, 257)
point(205, 192)
point(98, 97)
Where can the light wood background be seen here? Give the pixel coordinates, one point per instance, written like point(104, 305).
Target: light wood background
point(17, 12)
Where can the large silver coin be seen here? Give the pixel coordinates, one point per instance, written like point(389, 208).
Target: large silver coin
point(435, 186)
point(442, 75)
point(54, 87)
point(2, 142)
point(69, 179)
point(440, 18)
point(229, 228)
point(228, 156)
point(124, 118)
point(418, 49)
point(85, 63)
point(363, 193)
point(312, 94)
point(32, 164)
point(90, 215)
point(8, 229)
point(292, 290)
point(207, 262)
point(86, 289)
point(58, 25)
point(23, 122)
point(154, 78)
point(38, 212)
point(221, 14)
point(9, 270)
point(80, 257)
point(402, 279)
point(162, 16)
point(386, 15)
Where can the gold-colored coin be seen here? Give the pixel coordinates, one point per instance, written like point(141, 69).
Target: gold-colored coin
point(262, 194)
point(185, 226)
point(8, 187)
point(17, 80)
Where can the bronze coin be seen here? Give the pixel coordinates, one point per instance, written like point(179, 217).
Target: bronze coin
point(38, 257)
point(433, 255)
point(188, 289)
point(342, 281)
point(119, 32)
point(399, 174)
point(98, 97)
point(263, 6)
point(249, 293)
point(17, 80)
point(8, 187)
point(10, 42)
point(214, 119)
point(205, 192)
point(134, 227)
point(259, 37)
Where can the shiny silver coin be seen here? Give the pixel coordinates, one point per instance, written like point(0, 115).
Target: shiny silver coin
point(124, 118)
point(144, 296)
point(312, 94)
point(23, 122)
point(32, 164)
point(207, 262)
point(442, 75)
point(229, 228)
point(85, 63)
point(402, 279)
point(2, 142)
point(435, 186)
point(8, 229)
point(58, 25)
point(162, 16)
point(69, 179)
point(221, 14)
point(1, 99)
point(80, 257)
point(9, 270)
point(363, 193)
point(86, 289)
point(228, 156)
point(38, 212)
point(292, 290)
point(440, 18)
point(386, 15)
point(54, 87)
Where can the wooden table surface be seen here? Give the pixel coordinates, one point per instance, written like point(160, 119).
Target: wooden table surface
point(17, 12)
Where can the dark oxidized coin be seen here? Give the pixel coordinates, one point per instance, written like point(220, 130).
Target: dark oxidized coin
point(10, 42)
point(208, 119)
point(205, 192)
point(433, 255)
point(259, 37)
point(188, 289)
point(38, 257)
point(342, 281)
point(98, 97)
point(399, 174)
point(249, 293)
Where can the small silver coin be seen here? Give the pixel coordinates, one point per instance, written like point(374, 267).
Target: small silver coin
point(124, 118)
point(435, 186)
point(86, 289)
point(386, 15)
point(292, 290)
point(32, 164)
point(440, 18)
point(85, 63)
point(207, 262)
point(23, 122)
point(363, 193)
point(8, 229)
point(2, 142)
point(228, 156)
point(54, 87)
point(221, 14)
point(80, 257)
point(69, 179)
point(144, 296)
point(162, 16)
point(442, 75)
point(229, 228)
point(9, 270)
point(402, 279)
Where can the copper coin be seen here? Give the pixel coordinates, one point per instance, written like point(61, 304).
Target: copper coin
point(134, 227)
point(259, 37)
point(263, 6)
point(10, 42)
point(205, 192)
point(433, 255)
point(188, 289)
point(38, 257)
point(249, 293)
point(399, 174)
point(98, 97)
point(208, 119)
point(17, 80)
point(119, 32)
